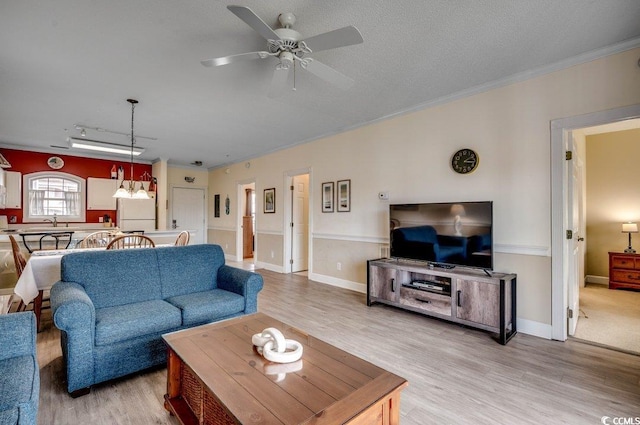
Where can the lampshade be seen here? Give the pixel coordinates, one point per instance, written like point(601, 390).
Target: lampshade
point(457, 209)
point(629, 228)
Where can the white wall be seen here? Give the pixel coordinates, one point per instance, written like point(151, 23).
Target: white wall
point(409, 157)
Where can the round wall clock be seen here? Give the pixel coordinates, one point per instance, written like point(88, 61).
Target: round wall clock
point(55, 162)
point(465, 161)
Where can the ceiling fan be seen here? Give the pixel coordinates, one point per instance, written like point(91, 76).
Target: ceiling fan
point(288, 47)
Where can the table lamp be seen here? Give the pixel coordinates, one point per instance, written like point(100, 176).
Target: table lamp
point(457, 210)
point(629, 228)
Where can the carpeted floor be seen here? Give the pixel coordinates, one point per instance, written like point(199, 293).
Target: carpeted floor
point(610, 317)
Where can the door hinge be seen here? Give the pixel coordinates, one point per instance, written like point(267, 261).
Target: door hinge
point(291, 261)
point(568, 155)
point(569, 234)
point(292, 224)
point(291, 187)
point(569, 313)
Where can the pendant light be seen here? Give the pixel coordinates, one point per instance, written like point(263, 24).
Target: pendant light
point(130, 192)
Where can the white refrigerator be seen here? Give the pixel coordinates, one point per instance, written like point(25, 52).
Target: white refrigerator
point(137, 214)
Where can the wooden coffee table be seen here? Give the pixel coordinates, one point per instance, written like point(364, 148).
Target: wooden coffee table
point(215, 376)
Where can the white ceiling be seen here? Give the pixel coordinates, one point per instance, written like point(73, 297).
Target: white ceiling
point(69, 62)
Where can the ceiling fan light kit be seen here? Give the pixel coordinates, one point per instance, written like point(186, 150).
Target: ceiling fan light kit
point(288, 46)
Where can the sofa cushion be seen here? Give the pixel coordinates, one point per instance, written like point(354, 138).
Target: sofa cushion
point(16, 383)
point(189, 269)
point(208, 306)
point(123, 322)
point(114, 277)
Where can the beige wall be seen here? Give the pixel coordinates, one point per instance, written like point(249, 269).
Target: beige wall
point(409, 157)
point(613, 195)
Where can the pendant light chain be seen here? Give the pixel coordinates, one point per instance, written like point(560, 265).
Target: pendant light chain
point(133, 107)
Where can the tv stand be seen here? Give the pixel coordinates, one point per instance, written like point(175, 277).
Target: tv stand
point(471, 297)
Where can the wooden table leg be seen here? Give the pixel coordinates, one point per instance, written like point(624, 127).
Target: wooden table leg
point(37, 308)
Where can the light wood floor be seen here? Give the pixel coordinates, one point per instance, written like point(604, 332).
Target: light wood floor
point(456, 375)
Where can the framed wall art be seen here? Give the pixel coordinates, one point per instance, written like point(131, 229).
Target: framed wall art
point(344, 196)
point(216, 205)
point(327, 197)
point(270, 200)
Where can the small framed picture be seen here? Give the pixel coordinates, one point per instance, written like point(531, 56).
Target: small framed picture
point(270, 200)
point(216, 205)
point(327, 197)
point(344, 196)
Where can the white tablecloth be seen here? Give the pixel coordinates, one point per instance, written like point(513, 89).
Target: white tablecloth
point(41, 272)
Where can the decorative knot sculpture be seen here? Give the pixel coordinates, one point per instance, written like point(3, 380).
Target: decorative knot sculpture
point(273, 346)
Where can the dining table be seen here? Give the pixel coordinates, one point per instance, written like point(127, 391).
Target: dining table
point(40, 273)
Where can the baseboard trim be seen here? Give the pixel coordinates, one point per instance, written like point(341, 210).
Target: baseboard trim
point(598, 280)
point(270, 267)
point(533, 328)
point(341, 283)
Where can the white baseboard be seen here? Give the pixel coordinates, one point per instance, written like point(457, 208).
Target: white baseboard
point(341, 283)
point(270, 267)
point(598, 280)
point(532, 328)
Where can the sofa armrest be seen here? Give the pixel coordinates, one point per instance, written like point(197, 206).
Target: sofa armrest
point(242, 282)
point(75, 315)
point(17, 335)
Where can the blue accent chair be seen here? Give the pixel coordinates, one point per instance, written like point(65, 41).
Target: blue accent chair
point(113, 306)
point(19, 370)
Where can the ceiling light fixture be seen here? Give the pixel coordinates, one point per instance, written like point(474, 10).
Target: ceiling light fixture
point(130, 192)
point(96, 145)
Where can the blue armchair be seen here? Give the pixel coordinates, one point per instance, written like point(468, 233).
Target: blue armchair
point(19, 370)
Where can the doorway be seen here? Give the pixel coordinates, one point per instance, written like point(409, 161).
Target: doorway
point(565, 262)
point(297, 218)
point(188, 212)
point(246, 241)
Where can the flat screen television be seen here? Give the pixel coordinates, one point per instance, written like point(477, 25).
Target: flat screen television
point(444, 233)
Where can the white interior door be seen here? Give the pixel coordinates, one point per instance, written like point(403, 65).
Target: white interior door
point(576, 243)
point(300, 223)
point(188, 212)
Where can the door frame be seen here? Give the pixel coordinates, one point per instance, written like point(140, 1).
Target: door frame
point(240, 184)
point(288, 213)
point(560, 179)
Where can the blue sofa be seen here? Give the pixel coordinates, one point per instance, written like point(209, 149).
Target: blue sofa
point(112, 307)
point(19, 370)
point(424, 243)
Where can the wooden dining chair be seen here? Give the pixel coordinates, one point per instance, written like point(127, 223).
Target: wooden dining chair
point(131, 241)
point(21, 262)
point(182, 239)
point(98, 239)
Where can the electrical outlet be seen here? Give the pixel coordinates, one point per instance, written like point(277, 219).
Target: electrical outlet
point(273, 254)
point(226, 246)
point(339, 265)
point(100, 219)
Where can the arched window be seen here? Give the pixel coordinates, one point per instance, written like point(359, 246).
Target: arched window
point(52, 193)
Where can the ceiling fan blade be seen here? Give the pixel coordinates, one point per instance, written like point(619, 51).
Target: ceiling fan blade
point(254, 21)
point(234, 58)
point(279, 81)
point(346, 36)
point(328, 74)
